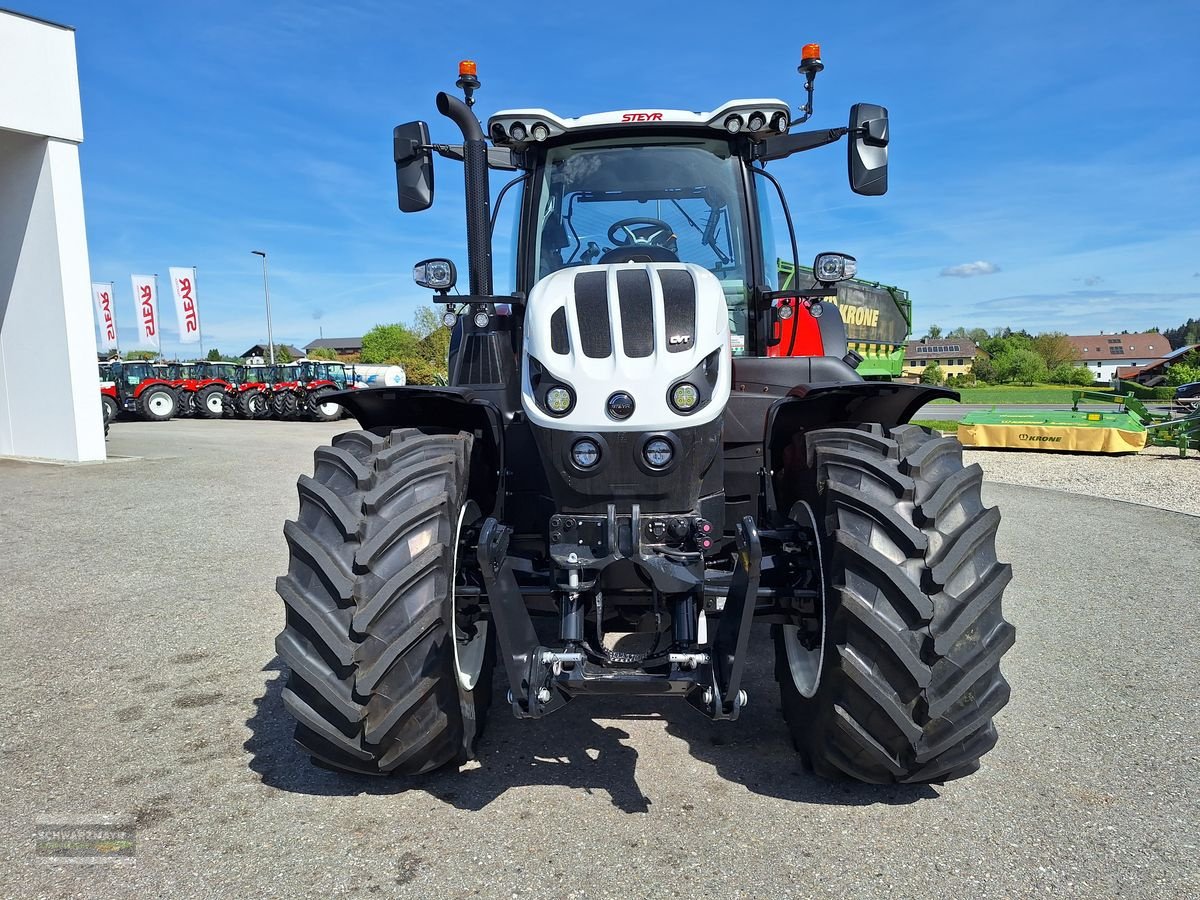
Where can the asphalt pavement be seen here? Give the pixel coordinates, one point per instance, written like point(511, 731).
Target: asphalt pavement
point(140, 679)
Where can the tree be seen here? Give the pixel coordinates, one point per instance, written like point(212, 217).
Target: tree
point(978, 335)
point(389, 344)
point(1182, 374)
point(283, 354)
point(983, 371)
point(1022, 365)
point(1186, 334)
point(1055, 349)
point(932, 374)
point(934, 332)
point(143, 354)
point(214, 355)
point(322, 353)
point(1083, 376)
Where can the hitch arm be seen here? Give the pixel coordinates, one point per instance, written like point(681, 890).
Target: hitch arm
point(531, 691)
point(733, 632)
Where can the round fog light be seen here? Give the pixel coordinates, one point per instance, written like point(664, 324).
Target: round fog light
point(585, 453)
point(658, 452)
point(685, 397)
point(449, 319)
point(558, 400)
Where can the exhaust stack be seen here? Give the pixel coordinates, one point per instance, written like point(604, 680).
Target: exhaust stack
point(475, 173)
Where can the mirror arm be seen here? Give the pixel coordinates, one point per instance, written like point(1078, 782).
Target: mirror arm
point(498, 157)
point(785, 145)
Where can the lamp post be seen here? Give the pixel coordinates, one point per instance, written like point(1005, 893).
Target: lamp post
point(267, 295)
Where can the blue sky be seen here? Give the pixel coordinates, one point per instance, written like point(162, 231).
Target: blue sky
point(1045, 156)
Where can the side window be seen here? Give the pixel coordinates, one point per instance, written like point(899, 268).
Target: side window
point(773, 232)
point(504, 239)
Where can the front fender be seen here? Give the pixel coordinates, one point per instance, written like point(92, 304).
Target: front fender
point(438, 410)
point(851, 403)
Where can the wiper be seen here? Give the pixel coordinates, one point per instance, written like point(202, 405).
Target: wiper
point(708, 236)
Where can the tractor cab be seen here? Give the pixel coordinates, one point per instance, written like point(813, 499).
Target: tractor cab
point(256, 375)
point(214, 371)
point(316, 372)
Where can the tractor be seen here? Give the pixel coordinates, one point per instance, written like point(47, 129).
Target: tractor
point(110, 406)
point(210, 382)
point(284, 389)
point(247, 393)
point(139, 387)
point(318, 380)
point(606, 497)
point(182, 380)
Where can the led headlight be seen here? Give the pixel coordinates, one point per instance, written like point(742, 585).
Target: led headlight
point(559, 401)
point(658, 452)
point(830, 267)
point(517, 131)
point(449, 319)
point(539, 131)
point(733, 124)
point(684, 397)
point(757, 121)
point(585, 453)
point(620, 405)
point(481, 319)
point(785, 310)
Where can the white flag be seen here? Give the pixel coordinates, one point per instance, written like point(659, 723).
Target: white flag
point(145, 301)
point(183, 283)
point(106, 314)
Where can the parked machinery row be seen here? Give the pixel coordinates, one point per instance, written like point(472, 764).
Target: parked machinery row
point(158, 392)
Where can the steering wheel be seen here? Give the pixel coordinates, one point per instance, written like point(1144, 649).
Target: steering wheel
point(642, 231)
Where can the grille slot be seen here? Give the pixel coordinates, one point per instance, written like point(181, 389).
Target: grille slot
point(637, 313)
point(560, 342)
point(679, 307)
point(591, 309)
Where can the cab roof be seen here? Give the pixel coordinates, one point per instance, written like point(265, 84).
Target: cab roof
point(516, 127)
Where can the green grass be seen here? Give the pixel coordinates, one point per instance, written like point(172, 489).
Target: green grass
point(946, 426)
point(1019, 393)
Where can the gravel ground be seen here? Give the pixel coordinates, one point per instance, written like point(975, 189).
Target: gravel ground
point(140, 679)
point(1156, 477)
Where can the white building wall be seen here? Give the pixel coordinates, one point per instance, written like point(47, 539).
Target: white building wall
point(1106, 369)
point(49, 398)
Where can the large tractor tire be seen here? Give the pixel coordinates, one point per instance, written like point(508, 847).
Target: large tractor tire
point(284, 405)
point(110, 410)
point(321, 409)
point(909, 676)
point(187, 403)
point(157, 403)
point(388, 675)
point(210, 402)
point(254, 404)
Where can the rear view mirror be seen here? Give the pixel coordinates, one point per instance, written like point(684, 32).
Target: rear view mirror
point(414, 166)
point(868, 154)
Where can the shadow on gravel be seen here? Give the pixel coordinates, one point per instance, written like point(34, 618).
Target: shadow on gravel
point(571, 749)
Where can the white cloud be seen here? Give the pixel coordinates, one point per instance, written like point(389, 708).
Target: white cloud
point(971, 269)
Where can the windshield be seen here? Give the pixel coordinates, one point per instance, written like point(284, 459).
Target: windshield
point(646, 201)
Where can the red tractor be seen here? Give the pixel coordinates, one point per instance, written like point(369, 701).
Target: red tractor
point(318, 379)
point(181, 379)
point(137, 387)
point(248, 393)
point(209, 385)
point(108, 395)
point(284, 380)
